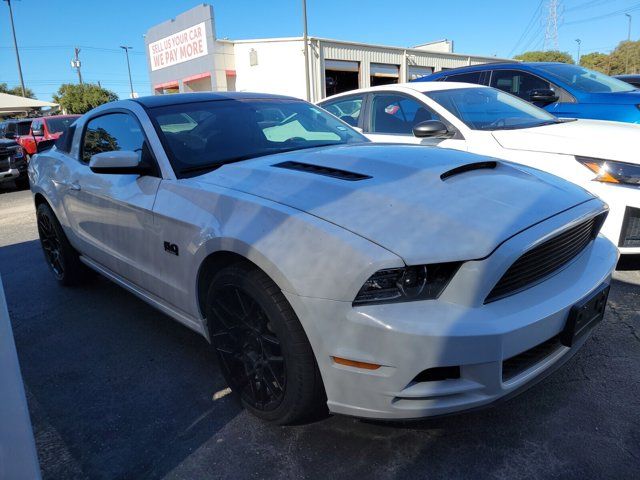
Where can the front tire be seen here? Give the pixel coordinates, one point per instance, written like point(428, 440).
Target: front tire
point(262, 349)
point(61, 257)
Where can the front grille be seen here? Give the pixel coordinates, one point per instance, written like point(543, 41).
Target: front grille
point(514, 366)
point(546, 258)
point(4, 163)
point(630, 235)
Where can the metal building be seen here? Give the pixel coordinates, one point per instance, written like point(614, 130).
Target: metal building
point(184, 55)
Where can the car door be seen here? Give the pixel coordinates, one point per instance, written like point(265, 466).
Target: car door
point(111, 215)
point(521, 84)
point(392, 115)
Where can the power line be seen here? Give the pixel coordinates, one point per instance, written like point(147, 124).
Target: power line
point(630, 8)
point(535, 16)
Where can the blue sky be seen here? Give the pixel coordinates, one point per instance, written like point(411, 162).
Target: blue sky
point(48, 30)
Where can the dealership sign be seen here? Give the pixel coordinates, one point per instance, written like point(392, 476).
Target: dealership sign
point(185, 45)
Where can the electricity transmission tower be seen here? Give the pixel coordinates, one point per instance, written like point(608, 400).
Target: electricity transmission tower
point(551, 32)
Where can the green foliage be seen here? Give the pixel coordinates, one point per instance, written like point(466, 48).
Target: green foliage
point(597, 61)
point(545, 56)
point(625, 58)
point(75, 98)
point(4, 88)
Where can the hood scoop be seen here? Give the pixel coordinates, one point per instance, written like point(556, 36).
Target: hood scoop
point(468, 168)
point(321, 170)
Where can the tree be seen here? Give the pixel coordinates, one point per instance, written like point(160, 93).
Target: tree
point(75, 98)
point(597, 61)
point(546, 56)
point(4, 88)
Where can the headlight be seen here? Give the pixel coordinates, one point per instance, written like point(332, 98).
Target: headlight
point(17, 152)
point(421, 282)
point(609, 171)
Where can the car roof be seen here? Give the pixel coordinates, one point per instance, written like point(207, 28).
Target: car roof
point(153, 101)
point(420, 87)
point(494, 66)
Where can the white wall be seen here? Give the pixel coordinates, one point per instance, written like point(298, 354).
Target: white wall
point(279, 69)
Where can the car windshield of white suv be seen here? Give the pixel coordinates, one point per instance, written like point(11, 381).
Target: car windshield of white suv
point(491, 109)
point(202, 136)
point(586, 80)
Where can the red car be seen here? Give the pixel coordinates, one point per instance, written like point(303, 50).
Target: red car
point(45, 128)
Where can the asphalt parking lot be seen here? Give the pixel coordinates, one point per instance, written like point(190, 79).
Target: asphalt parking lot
point(118, 390)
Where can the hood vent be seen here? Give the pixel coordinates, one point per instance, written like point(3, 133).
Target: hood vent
point(326, 171)
point(467, 168)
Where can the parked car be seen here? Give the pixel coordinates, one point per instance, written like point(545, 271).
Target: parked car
point(47, 128)
point(29, 132)
point(385, 281)
point(562, 89)
point(630, 79)
point(597, 155)
point(15, 129)
point(13, 164)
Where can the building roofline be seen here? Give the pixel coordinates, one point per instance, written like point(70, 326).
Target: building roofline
point(388, 47)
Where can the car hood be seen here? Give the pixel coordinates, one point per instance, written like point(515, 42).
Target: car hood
point(612, 98)
point(589, 138)
point(404, 205)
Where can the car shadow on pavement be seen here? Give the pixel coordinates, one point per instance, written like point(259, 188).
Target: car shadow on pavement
point(118, 390)
point(123, 389)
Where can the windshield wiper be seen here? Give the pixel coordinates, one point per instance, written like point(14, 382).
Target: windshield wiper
point(533, 125)
point(240, 158)
point(214, 166)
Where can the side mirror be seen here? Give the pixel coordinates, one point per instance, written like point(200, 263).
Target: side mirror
point(543, 95)
point(37, 133)
point(44, 145)
point(430, 128)
point(123, 162)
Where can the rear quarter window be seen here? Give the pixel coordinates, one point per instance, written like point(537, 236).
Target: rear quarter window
point(64, 141)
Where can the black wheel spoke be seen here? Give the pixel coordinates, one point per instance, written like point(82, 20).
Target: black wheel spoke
point(250, 353)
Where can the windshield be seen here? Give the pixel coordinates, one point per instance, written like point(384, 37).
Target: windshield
point(204, 135)
point(22, 128)
point(58, 125)
point(586, 80)
point(491, 109)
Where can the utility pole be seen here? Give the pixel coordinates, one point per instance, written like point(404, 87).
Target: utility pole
point(126, 52)
point(75, 63)
point(306, 50)
point(551, 31)
point(629, 30)
point(579, 42)
point(15, 46)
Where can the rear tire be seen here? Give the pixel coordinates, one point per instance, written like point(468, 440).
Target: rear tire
point(262, 349)
point(63, 260)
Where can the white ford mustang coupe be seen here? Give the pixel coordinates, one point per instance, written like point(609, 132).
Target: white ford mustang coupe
point(597, 155)
point(382, 281)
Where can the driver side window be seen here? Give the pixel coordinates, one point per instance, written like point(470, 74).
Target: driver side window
point(518, 83)
point(112, 132)
point(397, 114)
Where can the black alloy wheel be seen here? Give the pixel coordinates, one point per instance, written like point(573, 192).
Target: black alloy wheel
point(61, 257)
point(250, 352)
point(51, 245)
point(262, 348)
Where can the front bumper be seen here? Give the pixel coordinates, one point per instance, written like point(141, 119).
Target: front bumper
point(8, 175)
point(624, 205)
point(409, 338)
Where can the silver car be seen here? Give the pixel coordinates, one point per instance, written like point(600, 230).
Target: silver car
point(384, 281)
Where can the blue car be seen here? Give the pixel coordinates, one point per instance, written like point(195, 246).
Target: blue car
point(560, 88)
